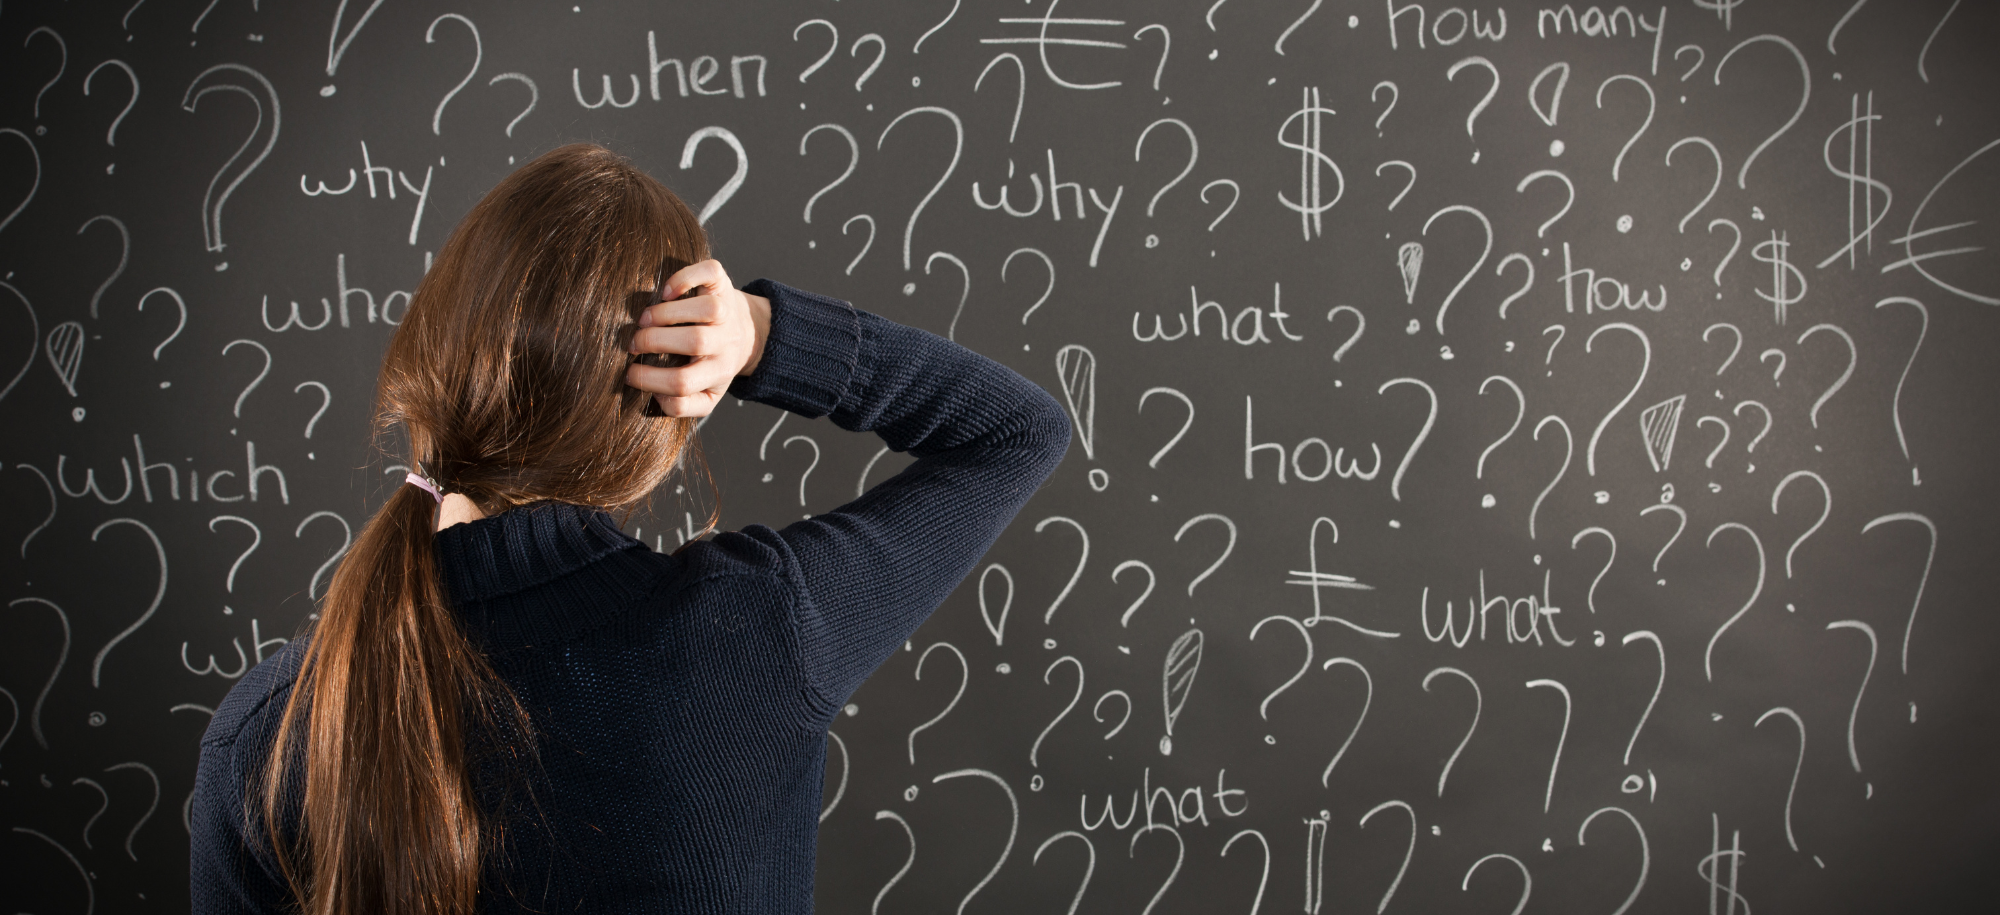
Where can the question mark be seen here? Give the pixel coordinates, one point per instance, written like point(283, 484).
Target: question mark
point(1652, 106)
point(1478, 707)
point(534, 96)
point(1776, 373)
point(1895, 403)
point(965, 676)
point(62, 657)
point(478, 54)
point(1166, 45)
point(1152, 581)
point(1873, 649)
point(237, 411)
point(1452, 76)
point(729, 188)
point(958, 147)
point(176, 297)
point(256, 538)
point(1234, 188)
point(1194, 154)
point(211, 202)
point(1752, 449)
point(1726, 258)
point(1543, 230)
point(1394, 95)
point(1908, 628)
point(36, 156)
point(1679, 512)
point(1360, 326)
point(1853, 357)
point(1187, 424)
point(809, 467)
point(327, 401)
point(1549, 360)
point(1793, 791)
point(1733, 350)
point(1658, 685)
point(1264, 708)
point(160, 552)
point(881, 51)
point(1708, 655)
point(111, 135)
point(62, 64)
point(124, 255)
point(1826, 509)
point(1046, 290)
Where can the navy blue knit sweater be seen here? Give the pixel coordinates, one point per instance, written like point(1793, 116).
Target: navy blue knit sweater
point(681, 701)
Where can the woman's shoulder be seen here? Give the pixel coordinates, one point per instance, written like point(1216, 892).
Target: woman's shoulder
point(259, 698)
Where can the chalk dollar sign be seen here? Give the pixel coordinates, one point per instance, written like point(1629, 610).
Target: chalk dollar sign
point(1309, 205)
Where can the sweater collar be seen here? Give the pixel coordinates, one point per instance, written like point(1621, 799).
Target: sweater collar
point(515, 551)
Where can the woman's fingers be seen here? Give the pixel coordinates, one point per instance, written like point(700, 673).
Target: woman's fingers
point(691, 406)
point(686, 340)
point(702, 375)
point(701, 309)
point(707, 273)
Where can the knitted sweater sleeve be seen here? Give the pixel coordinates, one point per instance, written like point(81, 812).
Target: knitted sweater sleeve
point(868, 573)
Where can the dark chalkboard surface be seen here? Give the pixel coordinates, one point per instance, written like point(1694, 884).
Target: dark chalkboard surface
point(1527, 457)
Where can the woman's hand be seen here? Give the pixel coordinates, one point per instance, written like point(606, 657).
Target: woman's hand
point(719, 327)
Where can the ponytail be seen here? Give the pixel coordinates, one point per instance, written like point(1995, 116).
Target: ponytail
point(372, 745)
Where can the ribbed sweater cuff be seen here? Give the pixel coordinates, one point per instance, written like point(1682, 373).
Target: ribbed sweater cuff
point(810, 354)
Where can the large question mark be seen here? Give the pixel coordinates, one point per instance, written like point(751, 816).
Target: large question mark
point(1542, 231)
point(62, 657)
point(1569, 453)
point(237, 410)
point(1805, 95)
point(1410, 454)
point(35, 156)
point(1853, 358)
point(1929, 559)
point(1478, 708)
point(1793, 791)
point(1166, 45)
point(1020, 88)
point(534, 97)
point(1360, 326)
point(1678, 511)
point(124, 256)
point(1234, 188)
point(1569, 706)
point(1394, 95)
point(478, 54)
point(1082, 559)
point(1264, 707)
point(729, 188)
point(62, 64)
point(1896, 402)
point(1194, 155)
point(111, 133)
point(1487, 99)
point(1646, 365)
point(1652, 106)
point(1874, 649)
point(1050, 265)
point(1367, 699)
point(958, 146)
point(211, 202)
point(1527, 882)
point(1658, 685)
point(1154, 461)
point(160, 552)
point(1708, 655)
point(965, 676)
point(1826, 508)
point(1484, 253)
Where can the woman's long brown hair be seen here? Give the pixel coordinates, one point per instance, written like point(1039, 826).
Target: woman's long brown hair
point(506, 381)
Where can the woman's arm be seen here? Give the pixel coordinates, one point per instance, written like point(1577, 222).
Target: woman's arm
point(868, 573)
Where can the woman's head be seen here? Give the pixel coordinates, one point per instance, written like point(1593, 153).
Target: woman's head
point(507, 375)
point(507, 379)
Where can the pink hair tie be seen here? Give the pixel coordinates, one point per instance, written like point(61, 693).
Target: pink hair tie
point(424, 484)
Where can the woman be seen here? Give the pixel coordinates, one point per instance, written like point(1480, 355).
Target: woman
point(507, 704)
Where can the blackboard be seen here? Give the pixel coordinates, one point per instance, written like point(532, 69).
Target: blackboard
point(1527, 456)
